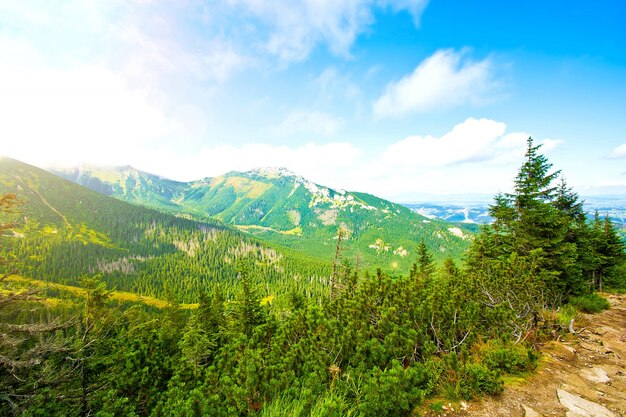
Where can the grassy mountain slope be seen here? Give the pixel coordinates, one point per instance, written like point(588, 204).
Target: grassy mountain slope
point(64, 231)
point(283, 208)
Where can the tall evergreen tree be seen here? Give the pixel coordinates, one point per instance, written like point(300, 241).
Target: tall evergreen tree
point(250, 312)
point(539, 229)
point(425, 266)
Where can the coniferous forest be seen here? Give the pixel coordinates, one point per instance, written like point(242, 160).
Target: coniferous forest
point(247, 329)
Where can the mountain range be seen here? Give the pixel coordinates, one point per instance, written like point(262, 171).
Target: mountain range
point(281, 207)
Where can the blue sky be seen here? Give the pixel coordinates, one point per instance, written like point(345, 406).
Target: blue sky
point(398, 98)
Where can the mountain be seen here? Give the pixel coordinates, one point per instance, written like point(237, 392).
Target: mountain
point(64, 231)
point(281, 207)
point(127, 183)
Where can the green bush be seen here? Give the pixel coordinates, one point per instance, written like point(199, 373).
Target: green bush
point(590, 303)
point(478, 379)
point(507, 357)
point(394, 391)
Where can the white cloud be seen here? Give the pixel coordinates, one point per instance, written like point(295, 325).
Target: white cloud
point(297, 26)
point(443, 80)
point(475, 156)
point(468, 141)
point(416, 8)
point(317, 162)
point(619, 152)
point(308, 122)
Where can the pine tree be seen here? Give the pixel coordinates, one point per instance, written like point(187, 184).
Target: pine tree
point(196, 345)
point(425, 265)
point(250, 311)
point(533, 182)
point(575, 240)
point(539, 228)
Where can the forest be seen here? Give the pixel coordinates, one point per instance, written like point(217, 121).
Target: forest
point(356, 343)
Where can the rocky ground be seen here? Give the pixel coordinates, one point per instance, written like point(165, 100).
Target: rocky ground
point(581, 375)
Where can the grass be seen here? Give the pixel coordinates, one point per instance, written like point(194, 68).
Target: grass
point(566, 313)
point(252, 189)
point(590, 303)
point(120, 296)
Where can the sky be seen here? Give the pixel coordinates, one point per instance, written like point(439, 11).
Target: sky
point(402, 99)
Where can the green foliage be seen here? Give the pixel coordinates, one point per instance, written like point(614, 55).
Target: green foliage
point(507, 357)
point(478, 379)
point(590, 303)
point(393, 391)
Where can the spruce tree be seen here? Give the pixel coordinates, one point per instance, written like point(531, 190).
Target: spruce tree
point(425, 264)
point(539, 228)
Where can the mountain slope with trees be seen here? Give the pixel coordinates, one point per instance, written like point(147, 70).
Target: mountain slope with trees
point(281, 207)
point(64, 231)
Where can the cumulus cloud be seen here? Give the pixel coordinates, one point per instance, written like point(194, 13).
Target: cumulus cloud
point(482, 141)
point(619, 152)
point(297, 26)
point(471, 140)
point(476, 155)
point(443, 80)
point(307, 122)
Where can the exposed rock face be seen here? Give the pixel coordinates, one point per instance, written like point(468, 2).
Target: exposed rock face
point(579, 407)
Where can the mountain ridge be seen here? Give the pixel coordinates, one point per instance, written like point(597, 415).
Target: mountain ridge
point(282, 207)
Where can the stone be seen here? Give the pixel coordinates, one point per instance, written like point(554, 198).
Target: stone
point(595, 375)
point(529, 412)
point(579, 407)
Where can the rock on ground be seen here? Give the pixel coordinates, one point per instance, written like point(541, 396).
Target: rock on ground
point(579, 407)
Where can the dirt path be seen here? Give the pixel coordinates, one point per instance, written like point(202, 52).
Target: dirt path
point(586, 372)
point(581, 375)
point(43, 200)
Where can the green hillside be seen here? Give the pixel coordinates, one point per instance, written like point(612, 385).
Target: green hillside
point(64, 231)
point(278, 206)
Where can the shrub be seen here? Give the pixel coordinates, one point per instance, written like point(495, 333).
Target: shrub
point(507, 357)
point(478, 379)
point(394, 391)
